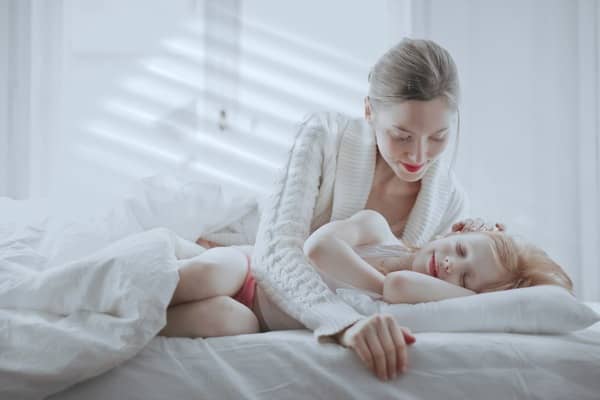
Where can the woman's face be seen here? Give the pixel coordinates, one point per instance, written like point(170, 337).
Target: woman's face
point(464, 259)
point(411, 134)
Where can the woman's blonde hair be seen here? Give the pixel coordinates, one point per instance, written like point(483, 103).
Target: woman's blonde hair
point(414, 69)
point(527, 265)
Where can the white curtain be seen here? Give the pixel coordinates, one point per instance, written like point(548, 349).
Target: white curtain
point(30, 54)
point(14, 53)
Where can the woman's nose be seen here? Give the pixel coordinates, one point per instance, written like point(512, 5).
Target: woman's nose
point(417, 154)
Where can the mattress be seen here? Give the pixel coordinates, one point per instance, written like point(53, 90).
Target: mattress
point(292, 365)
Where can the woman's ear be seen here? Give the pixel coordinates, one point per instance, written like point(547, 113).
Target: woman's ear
point(368, 110)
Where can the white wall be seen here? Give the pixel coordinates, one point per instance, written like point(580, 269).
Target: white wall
point(141, 87)
point(114, 109)
point(520, 152)
point(121, 92)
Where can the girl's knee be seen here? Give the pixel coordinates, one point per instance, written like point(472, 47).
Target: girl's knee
point(234, 319)
point(245, 322)
point(227, 257)
point(222, 269)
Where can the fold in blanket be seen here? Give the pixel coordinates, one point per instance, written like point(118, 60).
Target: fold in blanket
point(74, 321)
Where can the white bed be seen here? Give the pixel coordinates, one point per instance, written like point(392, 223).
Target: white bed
point(55, 338)
point(291, 365)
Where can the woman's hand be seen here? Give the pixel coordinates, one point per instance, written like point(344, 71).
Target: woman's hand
point(477, 225)
point(380, 344)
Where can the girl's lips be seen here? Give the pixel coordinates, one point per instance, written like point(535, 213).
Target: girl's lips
point(432, 266)
point(411, 167)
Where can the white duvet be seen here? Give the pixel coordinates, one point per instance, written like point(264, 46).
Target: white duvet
point(72, 321)
point(80, 294)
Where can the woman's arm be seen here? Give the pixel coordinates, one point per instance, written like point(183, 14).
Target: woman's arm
point(413, 287)
point(281, 267)
point(285, 273)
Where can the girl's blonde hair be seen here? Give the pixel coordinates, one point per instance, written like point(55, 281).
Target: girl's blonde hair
point(527, 265)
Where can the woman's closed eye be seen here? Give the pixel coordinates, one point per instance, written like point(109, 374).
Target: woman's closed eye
point(402, 137)
point(438, 137)
point(440, 134)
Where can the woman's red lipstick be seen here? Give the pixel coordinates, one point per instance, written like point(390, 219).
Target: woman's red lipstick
point(411, 167)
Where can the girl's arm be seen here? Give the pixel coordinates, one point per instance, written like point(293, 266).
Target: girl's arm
point(330, 248)
point(364, 227)
point(413, 287)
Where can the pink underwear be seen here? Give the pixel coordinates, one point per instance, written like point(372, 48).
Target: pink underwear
point(246, 293)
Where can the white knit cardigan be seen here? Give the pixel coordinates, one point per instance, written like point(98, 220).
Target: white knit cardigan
point(328, 176)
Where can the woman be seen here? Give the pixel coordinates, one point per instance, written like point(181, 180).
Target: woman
point(389, 162)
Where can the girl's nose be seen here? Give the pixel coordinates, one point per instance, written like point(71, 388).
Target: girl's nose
point(447, 264)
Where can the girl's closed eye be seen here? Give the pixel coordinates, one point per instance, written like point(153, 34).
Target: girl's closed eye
point(461, 250)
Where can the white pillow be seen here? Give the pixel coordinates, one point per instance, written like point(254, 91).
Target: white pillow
point(187, 206)
point(539, 310)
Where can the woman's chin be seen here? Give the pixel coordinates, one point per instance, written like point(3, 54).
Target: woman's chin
point(410, 177)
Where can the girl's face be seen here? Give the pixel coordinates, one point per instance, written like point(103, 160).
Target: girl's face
point(465, 259)
point(411, 134)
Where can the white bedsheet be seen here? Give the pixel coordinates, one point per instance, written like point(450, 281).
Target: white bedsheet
point(291, 365)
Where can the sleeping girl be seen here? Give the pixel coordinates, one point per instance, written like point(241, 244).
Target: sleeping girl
point(217, 294)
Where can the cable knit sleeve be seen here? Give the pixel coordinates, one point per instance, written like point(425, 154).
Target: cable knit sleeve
point(280, 265)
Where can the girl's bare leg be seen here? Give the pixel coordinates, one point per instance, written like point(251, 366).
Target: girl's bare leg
point(219, 271)
point(201, 305)
point(217, 316)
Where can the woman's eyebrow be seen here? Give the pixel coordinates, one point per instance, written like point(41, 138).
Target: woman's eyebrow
point(400, 127)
